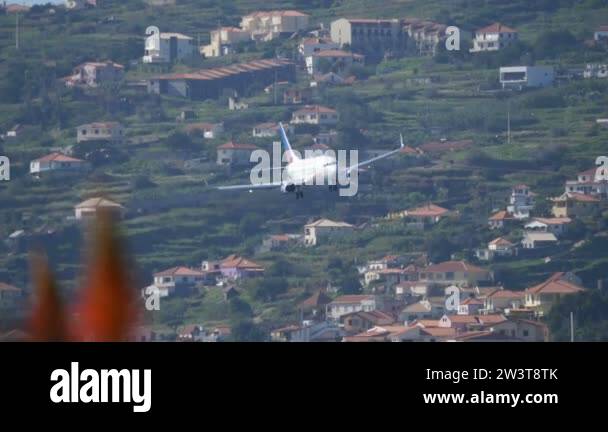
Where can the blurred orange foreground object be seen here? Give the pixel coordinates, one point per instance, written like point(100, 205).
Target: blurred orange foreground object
point(107, 311)
point(48, 320)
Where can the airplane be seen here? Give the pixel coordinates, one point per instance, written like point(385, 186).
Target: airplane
point(302, 172)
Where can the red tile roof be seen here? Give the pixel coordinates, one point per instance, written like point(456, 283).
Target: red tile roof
point(497, 28)
point(429, 210)
point(58, 157)
point(317, 299)
point(500, 241)
point(352, 298)
point(556, 284)
point(315, 109)
point(235, 261)
point(506, 294)
point(290, 13)
point(179, 271)
point(501, 215)
point(7, 287)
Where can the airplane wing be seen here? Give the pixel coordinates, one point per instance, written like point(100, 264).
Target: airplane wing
point(377, 158)
point(250, 186)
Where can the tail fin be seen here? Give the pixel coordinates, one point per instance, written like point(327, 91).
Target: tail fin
point(291, 155)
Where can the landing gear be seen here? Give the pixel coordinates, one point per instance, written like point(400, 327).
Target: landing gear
point(333, 188)
point(299, 193)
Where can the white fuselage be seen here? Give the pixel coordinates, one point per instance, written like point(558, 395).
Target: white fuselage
point(317, 171)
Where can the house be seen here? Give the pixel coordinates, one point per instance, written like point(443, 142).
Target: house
point(599, 71)
point(88, 209)
point(543, 296)
point(459, 273)
point(521, 201)
point(94, 74)
point(573, 205)
point(357, 322)
point(208, 130)
point(429, 214)
point(296, 96)
point(501, 246)
point(369, 35)
point(536, 240)
point(421, 310)
point(168, 48)
point(427, 35)
point(494, 38)
point(470, 306)
point(100, 131)
point(313, 308)
point(589, 182)
point(323, 230)
point(601, 34)
point(270, 130)
point(315, 115)
point(520, 77)
point(523, 329)
point(212, 83)
point(310, 45)
point(346, 304)
point(268, 25)
point(57, 162)
point(337, 61)
point(500, 219)
point(190, 333)
point(557, 226)
point(393, 276)
point(236, 267)
point(14, 8)
point(323, 331)
point(501, 300)
point(223, 40)
point(177, 281)
point(235, 154)
point(460, 323)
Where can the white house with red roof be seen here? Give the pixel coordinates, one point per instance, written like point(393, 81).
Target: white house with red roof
point(57, 162)
point(237, 267)
point(270, 130)
point(315, 115)
point(543, 296)
point(175, 278)
point(337, 60)
point(521, 201)
point(589, 182)
point(235, 154)
point(470, 306)
point(494, 38)
point(323, 230)
point(502, 300)
point(557, 226)
point(208, 130)
point(428, 214)
point(500, 219)
point(500, 246)
point(573, 205)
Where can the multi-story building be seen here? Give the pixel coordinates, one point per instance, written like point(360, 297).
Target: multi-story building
point(324, 229)
point(315, 115)
point(57, 162)
point(309, 46)
point(521, 202)
point(589, 182)
point(235, 154)
point(365, 35)
point(494, 38)
point(104, 131)
point(168, 48)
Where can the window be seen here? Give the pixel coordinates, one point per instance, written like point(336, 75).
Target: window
point(526, 333)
